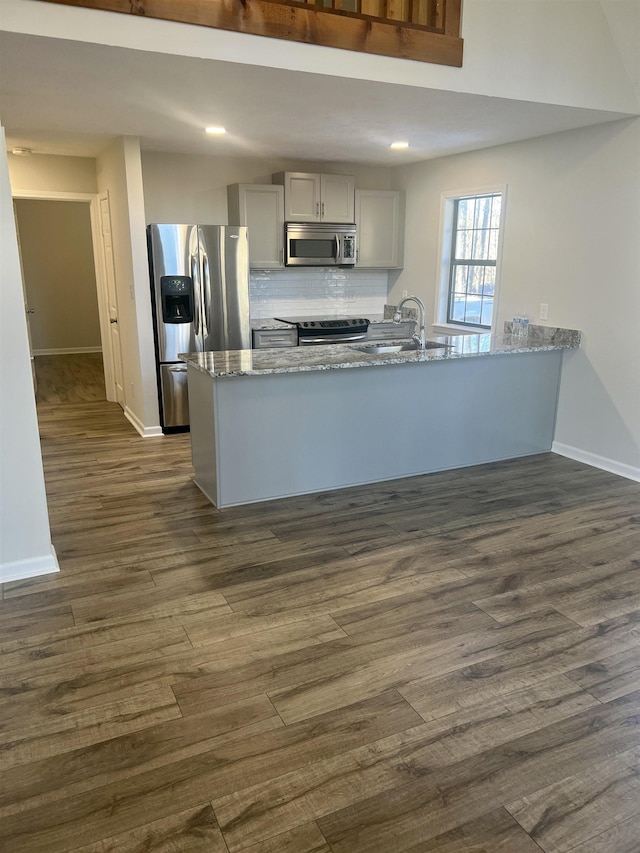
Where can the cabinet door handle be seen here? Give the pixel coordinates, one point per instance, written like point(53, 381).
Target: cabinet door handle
point(323, 209)
point(317, 208)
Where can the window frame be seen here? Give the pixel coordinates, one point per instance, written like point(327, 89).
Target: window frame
point(448, 209)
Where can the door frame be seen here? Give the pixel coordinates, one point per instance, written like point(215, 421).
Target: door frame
point(98, 261)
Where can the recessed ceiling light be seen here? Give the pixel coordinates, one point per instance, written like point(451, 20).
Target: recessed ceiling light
point(398, 145)
point(215, 131)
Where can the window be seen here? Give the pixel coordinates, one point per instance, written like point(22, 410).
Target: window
point(472, 229)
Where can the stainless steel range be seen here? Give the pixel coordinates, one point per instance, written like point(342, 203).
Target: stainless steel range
point(337, 330)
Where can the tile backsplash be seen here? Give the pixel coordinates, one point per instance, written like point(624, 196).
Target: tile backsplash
point(323, 290)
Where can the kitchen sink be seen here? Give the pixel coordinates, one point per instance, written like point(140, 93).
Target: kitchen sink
point(380, 349)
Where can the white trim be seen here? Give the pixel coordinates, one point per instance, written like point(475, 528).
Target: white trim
point(103, 299)
point(48, 195)
point(66, 351)
point(444, 253)
point(145, 432)
point(602, 462)
point(450, 329)
point(30, 568)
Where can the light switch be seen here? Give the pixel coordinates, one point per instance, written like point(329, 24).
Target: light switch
point(544, 310)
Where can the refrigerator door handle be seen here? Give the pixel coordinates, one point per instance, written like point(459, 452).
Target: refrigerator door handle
point(197, 309)
point(206, 282)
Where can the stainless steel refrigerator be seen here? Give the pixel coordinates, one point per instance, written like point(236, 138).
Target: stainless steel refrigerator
point(200, 302)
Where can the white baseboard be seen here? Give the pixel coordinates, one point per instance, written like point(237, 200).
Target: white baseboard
point(66, 351)
point(145, 432)
point(31, 568)
point(610, 465)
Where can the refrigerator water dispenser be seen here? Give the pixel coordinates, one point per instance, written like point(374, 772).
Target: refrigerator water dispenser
point(177, 298)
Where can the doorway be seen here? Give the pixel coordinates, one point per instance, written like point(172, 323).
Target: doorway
point(61, 299)
point(67, 262)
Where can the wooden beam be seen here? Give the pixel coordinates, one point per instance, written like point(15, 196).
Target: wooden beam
point(296, 22)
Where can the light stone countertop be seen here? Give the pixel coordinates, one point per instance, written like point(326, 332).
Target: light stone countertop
point(258, 362)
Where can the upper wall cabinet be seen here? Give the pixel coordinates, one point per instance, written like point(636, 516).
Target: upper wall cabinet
point(261, 208)
point(317, 198)
point(379, 220)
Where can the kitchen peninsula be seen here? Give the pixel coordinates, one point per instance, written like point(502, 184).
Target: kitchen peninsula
point(279, 422)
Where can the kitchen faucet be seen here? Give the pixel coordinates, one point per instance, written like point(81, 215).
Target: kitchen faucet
point(419, 339)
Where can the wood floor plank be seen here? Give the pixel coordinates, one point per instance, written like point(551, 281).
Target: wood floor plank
point(63, 378)
point(192, 831)
point(114, 760)
point(303, 839)
point(203, 630)
point(621, 838)
point(560, 816)
point(64, 589)
point(496, 832)
point(42, 739)
point(148, 606)
point(495, 579)
point(319, 789)
point(33, 620)
point(344, 677)
point(320, 678)
point(587, 596)
point(436, 800)
point(437, 695)
point(88, 817)
point(352, 589)
point(94, 661)
point(610, 677)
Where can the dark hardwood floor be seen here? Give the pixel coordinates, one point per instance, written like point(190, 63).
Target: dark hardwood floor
point(448, 663)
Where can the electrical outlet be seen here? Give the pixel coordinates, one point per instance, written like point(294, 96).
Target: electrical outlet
point(544, 311)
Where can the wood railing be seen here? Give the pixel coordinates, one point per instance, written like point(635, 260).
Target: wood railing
point(424, 30)
point(425, 13)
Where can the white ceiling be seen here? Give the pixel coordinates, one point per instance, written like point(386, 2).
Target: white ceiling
point(69, 97)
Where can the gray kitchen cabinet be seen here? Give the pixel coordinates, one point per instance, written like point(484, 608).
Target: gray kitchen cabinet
point(264, 338)
point(312, 197)
point(379, 220)
point(261, 208)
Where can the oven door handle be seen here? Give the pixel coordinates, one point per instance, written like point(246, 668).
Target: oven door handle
point(335, 339)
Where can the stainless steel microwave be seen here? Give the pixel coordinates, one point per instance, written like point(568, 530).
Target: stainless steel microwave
point(319, 244)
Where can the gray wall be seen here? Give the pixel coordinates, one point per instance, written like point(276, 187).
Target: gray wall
point(59, 274)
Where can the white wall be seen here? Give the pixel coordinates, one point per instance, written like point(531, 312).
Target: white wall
point(56, 249)
point(556, 51)
point(120, 174)
point(25, 538)
point(571, 240)
point(53, 173)
point(184, 188)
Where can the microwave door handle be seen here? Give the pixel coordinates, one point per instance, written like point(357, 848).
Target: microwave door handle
point(338, 256)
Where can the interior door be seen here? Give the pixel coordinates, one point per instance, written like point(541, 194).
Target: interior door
point(112, 299)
